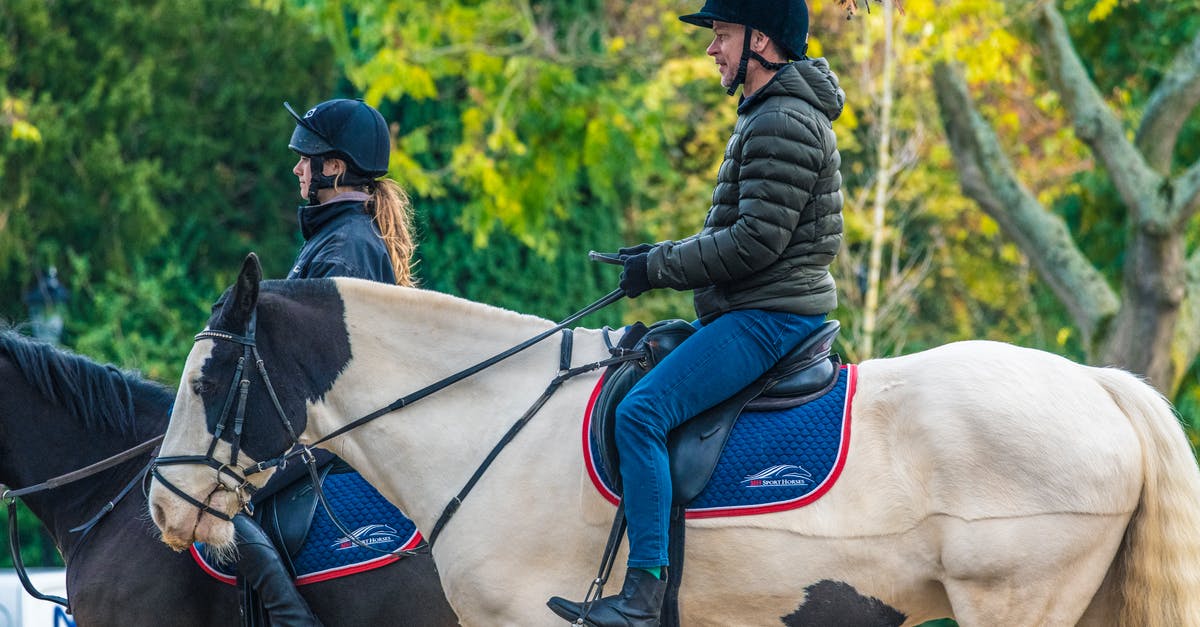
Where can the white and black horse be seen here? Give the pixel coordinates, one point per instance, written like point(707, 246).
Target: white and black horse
point(986, 482)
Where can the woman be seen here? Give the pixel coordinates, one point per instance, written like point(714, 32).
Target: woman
point(355, 224)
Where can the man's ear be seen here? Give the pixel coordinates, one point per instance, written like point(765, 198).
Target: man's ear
point(759, 42)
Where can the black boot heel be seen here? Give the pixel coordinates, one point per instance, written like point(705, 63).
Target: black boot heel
point(637, 605)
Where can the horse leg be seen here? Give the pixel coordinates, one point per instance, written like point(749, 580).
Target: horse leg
point(1036, 570)
point(1107, 603)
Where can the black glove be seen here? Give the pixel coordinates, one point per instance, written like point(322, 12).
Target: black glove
point(636, 250)
point(635, 278)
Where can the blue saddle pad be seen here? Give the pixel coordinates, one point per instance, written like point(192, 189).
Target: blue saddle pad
point(773, 460)
point(328, 553)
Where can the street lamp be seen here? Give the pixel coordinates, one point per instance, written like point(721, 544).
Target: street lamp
point(45, 302)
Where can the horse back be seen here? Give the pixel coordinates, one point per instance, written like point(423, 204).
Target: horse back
point(983, 430)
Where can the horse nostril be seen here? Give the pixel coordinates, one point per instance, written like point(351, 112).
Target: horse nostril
point(156, 513)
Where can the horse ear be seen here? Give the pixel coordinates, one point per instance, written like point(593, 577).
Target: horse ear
point(245, 291)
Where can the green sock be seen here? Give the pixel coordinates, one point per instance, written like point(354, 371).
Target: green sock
point(656, 571)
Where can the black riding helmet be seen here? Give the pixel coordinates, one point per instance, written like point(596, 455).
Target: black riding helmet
point(350, 130)
point(786, 23)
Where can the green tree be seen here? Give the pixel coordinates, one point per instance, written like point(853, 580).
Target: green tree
point(945, 271)
point(144, 166)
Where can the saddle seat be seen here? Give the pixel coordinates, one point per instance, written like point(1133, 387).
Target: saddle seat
point(694, 448)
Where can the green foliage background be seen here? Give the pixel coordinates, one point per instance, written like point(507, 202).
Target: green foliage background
point(161, 161)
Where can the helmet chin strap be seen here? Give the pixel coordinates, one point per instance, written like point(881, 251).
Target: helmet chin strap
point(318, 180)
point(748, 54)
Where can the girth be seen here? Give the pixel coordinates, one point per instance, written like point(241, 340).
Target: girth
point(803, 374)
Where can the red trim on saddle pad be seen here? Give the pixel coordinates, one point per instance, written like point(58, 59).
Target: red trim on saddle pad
point(213, 572)
point(714, 512)
point(319, 576)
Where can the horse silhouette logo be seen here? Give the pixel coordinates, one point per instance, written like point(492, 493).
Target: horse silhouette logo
point(369, 535)
point(779, 475)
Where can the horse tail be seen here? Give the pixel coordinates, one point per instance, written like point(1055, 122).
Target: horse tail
point(1158, 576)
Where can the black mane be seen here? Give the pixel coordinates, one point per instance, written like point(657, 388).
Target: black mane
point(100, 394)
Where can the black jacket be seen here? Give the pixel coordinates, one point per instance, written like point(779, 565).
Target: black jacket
point(341, 239)
point(776, 218)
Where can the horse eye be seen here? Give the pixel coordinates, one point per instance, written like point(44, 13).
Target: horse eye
point(200, 386)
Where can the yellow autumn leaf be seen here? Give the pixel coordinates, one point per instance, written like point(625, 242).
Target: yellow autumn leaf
point(1101, 10)
point(24, 131)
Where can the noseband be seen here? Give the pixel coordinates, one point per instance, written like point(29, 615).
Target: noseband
point(239, 387)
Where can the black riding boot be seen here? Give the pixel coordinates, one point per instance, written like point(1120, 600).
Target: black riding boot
point(637, 605)
point(259, 566)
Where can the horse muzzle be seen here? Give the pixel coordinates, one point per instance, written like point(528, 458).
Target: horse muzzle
point(184, 521)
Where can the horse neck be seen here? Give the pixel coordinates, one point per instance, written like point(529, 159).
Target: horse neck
point(42, 440)
point(425, 452)
point(418, 338)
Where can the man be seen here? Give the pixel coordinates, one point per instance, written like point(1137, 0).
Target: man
point(759, 269)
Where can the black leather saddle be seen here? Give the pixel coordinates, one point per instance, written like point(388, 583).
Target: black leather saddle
point(694, 448)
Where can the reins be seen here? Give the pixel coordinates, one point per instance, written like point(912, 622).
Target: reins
point(14, 542)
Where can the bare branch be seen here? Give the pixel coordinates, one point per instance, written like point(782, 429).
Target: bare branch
point(987, 176)
point(1185, 200)
point(1094, 122)
point(1169, 106)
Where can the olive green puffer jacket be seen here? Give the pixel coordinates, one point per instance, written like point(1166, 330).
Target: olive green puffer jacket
point(776, 217)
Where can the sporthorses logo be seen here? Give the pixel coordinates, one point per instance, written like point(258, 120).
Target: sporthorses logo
point(369, 535)
point(781, 475)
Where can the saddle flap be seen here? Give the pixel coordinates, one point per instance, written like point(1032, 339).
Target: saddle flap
point(657, 340)
point(694, 448)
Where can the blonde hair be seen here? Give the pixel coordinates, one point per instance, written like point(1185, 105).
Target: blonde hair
point(393, 215)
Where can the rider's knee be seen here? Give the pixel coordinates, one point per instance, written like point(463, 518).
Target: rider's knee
point(638, 416)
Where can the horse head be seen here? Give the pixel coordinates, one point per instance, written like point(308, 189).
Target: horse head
point(270, 349)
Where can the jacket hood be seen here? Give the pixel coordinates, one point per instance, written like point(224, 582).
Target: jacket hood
point(810, 80)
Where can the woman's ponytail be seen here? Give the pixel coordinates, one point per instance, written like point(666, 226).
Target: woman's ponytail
point(393, 215)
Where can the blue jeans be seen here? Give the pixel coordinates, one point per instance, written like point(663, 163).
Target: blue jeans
point(716, 362)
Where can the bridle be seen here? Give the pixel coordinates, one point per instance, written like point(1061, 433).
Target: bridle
point(234, 418)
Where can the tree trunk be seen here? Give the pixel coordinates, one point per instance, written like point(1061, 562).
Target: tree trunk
point(883, 180)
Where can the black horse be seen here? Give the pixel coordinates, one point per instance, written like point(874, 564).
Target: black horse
point(60, 412)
